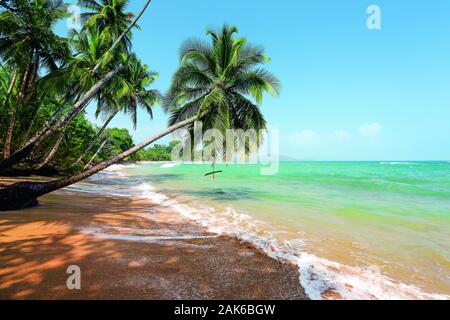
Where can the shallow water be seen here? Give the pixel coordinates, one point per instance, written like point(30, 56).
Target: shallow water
point(357, 229)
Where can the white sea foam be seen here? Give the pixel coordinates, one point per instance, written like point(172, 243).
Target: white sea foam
point(169, 165)
point(143, 238)
point(396, 162)
point(118, 168)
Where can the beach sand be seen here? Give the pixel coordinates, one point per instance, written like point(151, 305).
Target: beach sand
point(129, 249)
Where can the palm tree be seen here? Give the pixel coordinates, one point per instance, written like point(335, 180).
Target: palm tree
point(90, 47)
point(222, 79)
point(79, 81)
point(27, 37)
point(125, 32)
point(132, 89)
point(221, 71)
point(76, 109)
point(108, 17)
point(12, 121)
point(126, 94)
point(27, 42)
point(51, 127)
point(76, 76)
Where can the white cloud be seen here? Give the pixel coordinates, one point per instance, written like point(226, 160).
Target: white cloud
point(370, 129)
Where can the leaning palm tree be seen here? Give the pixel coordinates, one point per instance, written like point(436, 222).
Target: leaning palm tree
point(27, 42)
point(81, 101)
point(126, 94)
point(215, 83)
point(79, 82)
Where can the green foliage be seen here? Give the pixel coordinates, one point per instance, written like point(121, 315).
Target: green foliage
point(159, 152)
point(118, 140)
point(53, 71)
point(79, 133)
point(109, 17)
point(27, 33)
point(221, 81)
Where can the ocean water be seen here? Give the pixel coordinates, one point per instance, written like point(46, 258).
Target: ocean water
point(356, 230)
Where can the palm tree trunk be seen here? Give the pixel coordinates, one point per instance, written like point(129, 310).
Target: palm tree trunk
point(89, 147)
point(29, 95)
point(78, 106)
point(24, 194)
point(96, 153)
point(9, 134)
point(53, 151)
point(114, 45)
point(47, 125)
point(31, 78)
point(12, 122)
point(31, 125)
point(10, 89)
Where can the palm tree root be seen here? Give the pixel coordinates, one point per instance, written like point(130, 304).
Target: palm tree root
point(21, 195)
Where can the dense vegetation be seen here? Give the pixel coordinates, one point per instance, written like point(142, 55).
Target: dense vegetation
point(47, 81)
point(34, 98)
point(158, 152)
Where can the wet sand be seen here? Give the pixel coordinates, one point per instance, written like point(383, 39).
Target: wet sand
point(129, 249)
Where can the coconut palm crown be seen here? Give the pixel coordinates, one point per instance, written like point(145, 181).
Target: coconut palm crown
point(129, 90)
point(221, 81)
point(26, 32)
point(108, 16)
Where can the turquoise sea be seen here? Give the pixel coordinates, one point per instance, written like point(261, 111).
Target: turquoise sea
point(355, 229)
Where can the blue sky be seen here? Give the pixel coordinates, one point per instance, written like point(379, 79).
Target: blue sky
point(348, 93)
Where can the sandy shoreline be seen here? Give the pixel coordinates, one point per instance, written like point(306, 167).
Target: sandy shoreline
point(129, 249)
